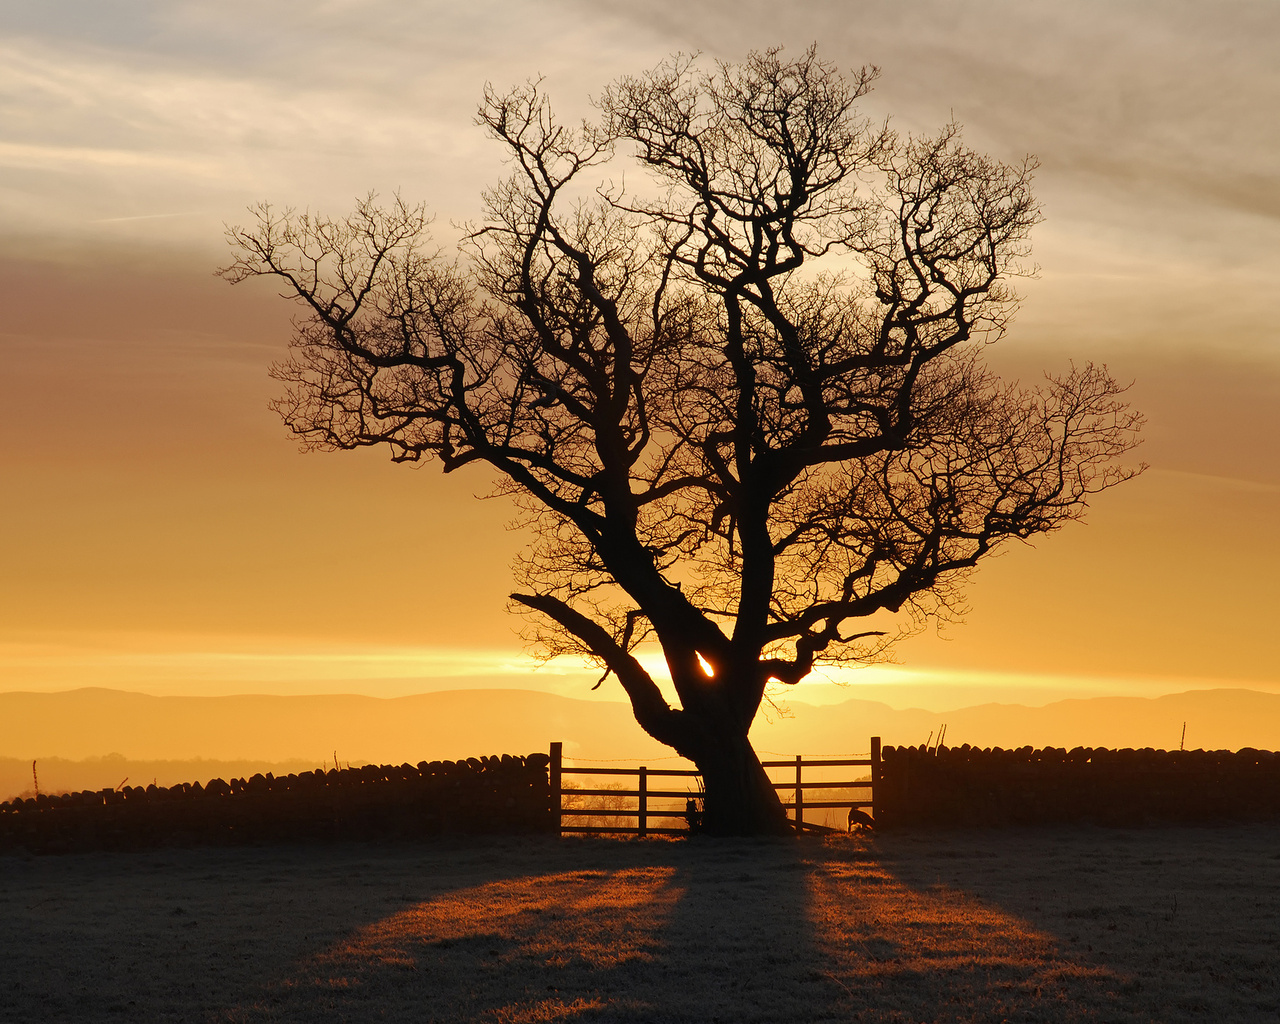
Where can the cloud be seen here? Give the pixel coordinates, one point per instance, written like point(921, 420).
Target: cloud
point(1147, 117)
point(140, 126)
point(168, 663)
point(99, 141)
point(1132, 97)
point(214, 107)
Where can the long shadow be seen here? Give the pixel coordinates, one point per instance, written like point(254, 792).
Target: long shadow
point(152, 935)
point(1159, 924)
point(947, 927)
point(739, 944)
point(745, 931)
point(903, 950)
point(593, 930)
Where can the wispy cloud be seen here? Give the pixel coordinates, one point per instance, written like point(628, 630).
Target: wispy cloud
point(195, 111)
point(155, 121)
point(1143, 114)
point(71, 158)
point(222, 665)
point(164, 664)
point(144, 216)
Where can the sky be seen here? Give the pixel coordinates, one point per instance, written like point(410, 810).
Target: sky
point(163, 534)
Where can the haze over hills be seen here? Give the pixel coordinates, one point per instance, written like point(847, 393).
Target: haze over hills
point(190, 738)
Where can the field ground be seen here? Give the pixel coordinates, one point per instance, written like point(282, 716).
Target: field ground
point(1066, 924)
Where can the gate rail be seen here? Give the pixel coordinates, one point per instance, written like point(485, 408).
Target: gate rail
point(642, 794)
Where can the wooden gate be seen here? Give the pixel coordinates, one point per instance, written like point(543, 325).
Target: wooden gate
point(655, 810)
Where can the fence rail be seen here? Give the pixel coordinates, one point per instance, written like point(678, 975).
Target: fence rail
point(618, 819)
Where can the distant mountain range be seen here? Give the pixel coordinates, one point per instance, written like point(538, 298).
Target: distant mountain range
point(188, 738)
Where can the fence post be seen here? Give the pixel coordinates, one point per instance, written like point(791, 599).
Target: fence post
point(553, 776)
point(875, 772)
point(643, 808)
point(799, 798)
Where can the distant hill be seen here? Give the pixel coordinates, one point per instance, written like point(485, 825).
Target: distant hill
point(63, 775)
point(180, 736)
point(445, 724)
point(1215, 719)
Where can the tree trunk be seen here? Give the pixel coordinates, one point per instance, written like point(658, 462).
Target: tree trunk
point(740, 801)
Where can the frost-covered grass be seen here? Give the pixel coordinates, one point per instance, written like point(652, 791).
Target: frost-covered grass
point(1043, 925)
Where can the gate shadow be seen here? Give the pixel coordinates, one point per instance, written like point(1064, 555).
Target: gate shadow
point(938, 927)
point(744, 931)
point(587, 929)
point(1154, 924)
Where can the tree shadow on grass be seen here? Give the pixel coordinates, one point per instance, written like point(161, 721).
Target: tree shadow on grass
point(905, 951)
point(965, 927)
point(740, 931)
point(980, 926)
point(172, 934)
point(1163, 924)
point(616, 931)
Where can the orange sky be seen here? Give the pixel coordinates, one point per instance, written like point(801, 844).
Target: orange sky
point(163, 534)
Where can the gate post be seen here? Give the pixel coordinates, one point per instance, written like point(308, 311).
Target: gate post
point(553, 776)
point(643, 808)
point(875, 772)
point(799, 798)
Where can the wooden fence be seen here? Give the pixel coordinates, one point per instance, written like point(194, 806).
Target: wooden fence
point(649, 801)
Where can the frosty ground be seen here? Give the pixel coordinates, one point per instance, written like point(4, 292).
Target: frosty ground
point(1064, 924)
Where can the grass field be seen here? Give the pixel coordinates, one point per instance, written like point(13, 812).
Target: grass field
point(1075, 924)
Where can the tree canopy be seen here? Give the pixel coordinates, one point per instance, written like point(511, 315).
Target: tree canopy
point(742, 402)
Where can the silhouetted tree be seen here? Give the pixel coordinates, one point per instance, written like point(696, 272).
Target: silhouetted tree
point(743, 408)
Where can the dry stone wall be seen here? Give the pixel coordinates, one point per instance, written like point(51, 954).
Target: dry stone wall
point(505, 794)
point(964, 786)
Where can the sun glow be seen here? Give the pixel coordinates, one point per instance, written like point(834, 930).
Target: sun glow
point(162, 664)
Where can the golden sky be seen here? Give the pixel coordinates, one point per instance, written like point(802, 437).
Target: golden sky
point(161, 532)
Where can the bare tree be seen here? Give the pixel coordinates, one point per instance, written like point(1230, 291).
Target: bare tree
point(744, 407)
